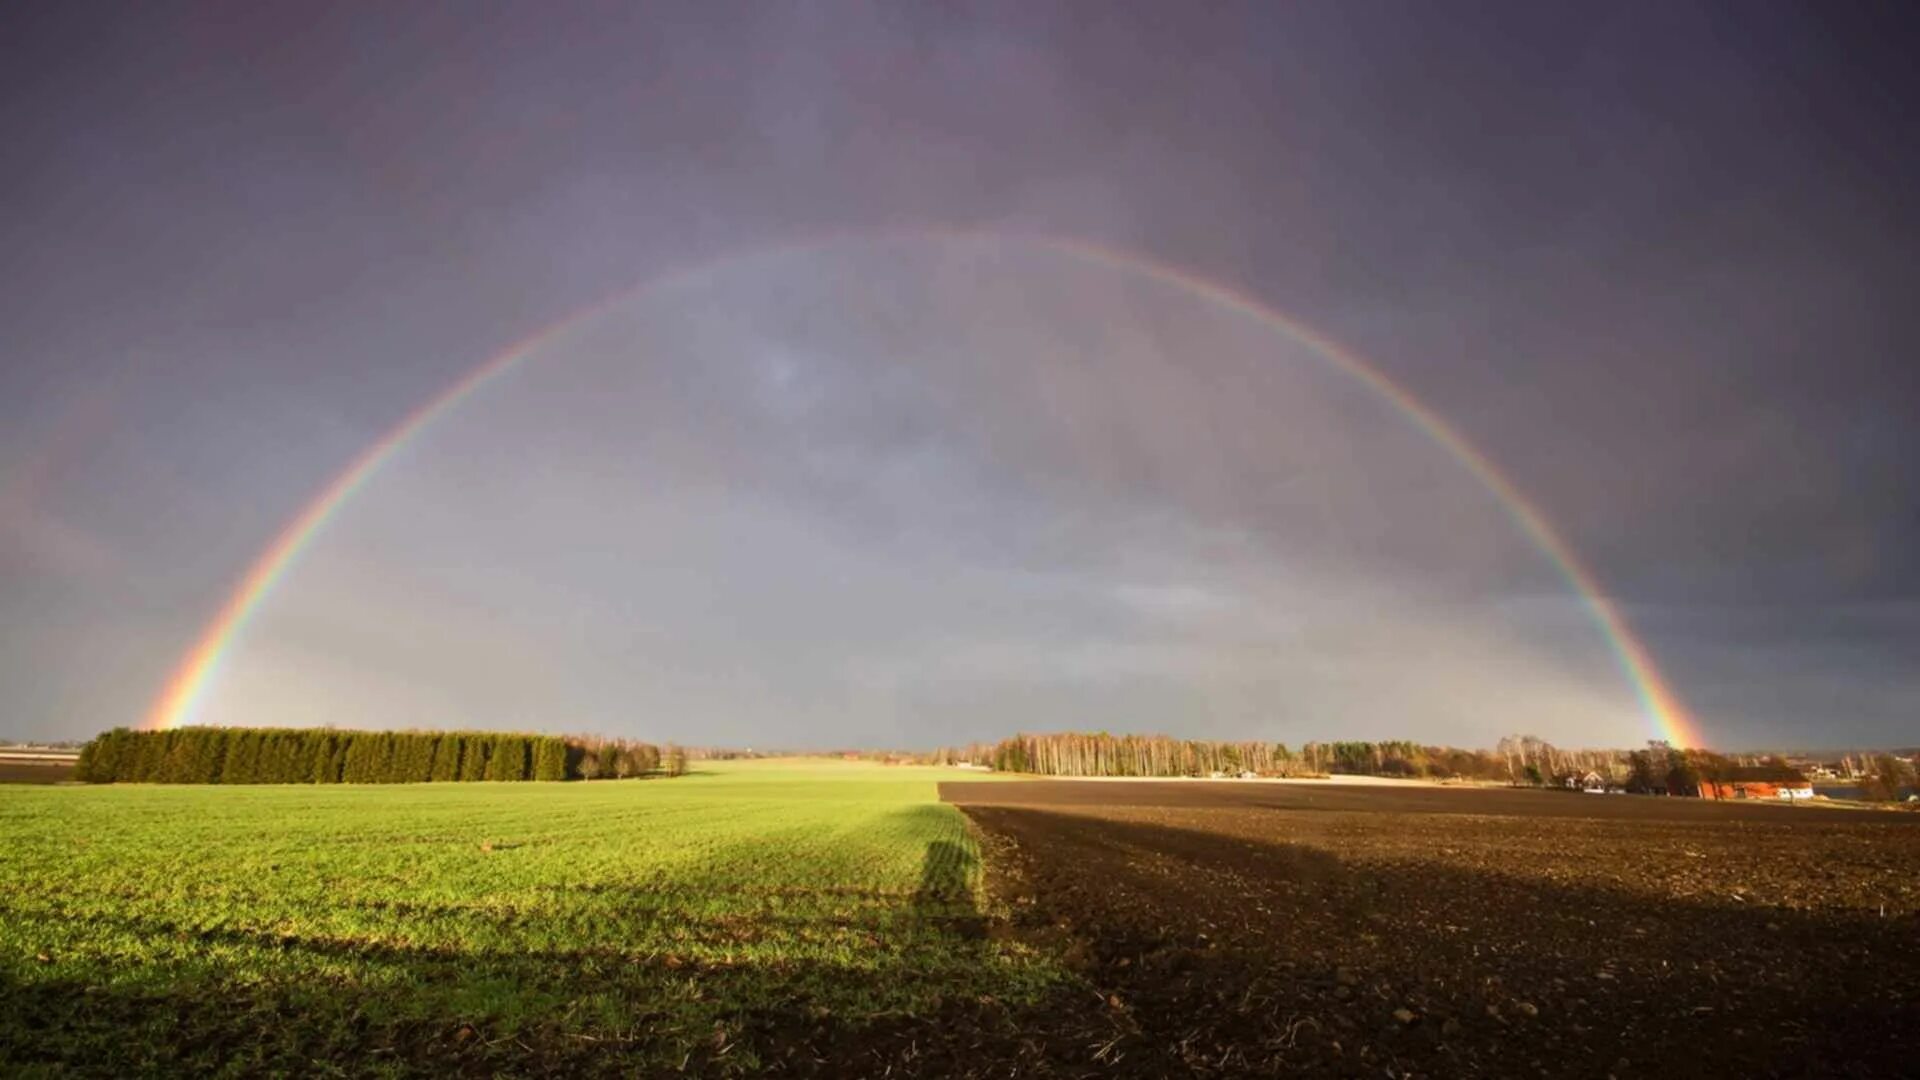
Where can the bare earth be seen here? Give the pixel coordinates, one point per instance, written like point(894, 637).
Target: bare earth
point(1234, 928)
point(35, 772)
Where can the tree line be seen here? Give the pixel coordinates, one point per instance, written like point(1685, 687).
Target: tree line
point(1887, 776)
point(1103, 754)
point(1668, 770)
point(1518, 759)
point(215, 755)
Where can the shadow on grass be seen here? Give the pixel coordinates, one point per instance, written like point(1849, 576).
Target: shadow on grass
point(945, 897)
point(846, 983)
point(293, 1003)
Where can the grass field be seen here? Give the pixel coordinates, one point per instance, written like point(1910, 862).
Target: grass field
point(827, 919)
point(533, 927)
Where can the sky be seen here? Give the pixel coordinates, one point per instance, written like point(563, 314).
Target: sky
point(908, 375)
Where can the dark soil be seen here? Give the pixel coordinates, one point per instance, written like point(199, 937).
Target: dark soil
point(21, 772)
point(1234, 929)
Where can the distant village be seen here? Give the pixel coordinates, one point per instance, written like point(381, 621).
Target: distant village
point(1886, 777)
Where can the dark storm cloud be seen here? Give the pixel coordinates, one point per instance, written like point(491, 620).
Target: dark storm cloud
point(1657, 261)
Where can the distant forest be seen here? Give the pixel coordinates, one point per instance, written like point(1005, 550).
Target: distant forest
point(1518, 759)
point(211, 755)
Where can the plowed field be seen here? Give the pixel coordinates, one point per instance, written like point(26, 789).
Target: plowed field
point(1230, 928)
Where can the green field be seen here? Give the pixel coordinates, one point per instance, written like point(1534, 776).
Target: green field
point(532, 927)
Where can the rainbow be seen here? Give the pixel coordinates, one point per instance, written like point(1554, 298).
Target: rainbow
point(189, 682)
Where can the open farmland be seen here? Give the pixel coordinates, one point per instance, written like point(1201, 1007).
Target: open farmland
point(853, 920)
point(1385, 930)
point(35, 765)
point(705, 922)
point(24, 772)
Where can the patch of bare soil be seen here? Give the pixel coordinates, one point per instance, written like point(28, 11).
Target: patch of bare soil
point(34, 772)
point(1225, 930)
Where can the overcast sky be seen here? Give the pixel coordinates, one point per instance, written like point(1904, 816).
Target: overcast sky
point(847, 477)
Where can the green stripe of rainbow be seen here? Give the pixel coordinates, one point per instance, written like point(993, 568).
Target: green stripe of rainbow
point(1663, 707)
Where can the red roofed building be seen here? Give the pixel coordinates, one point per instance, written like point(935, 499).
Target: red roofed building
point(1757, 782)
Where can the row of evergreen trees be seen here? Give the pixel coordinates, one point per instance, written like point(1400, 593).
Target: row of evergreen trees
point(211, 755)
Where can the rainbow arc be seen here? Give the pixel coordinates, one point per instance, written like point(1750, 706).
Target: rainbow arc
point(188, 685)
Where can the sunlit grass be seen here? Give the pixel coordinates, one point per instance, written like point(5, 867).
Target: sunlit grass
point(291, 925)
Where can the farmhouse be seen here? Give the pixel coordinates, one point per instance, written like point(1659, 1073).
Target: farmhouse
point(1586, 781)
